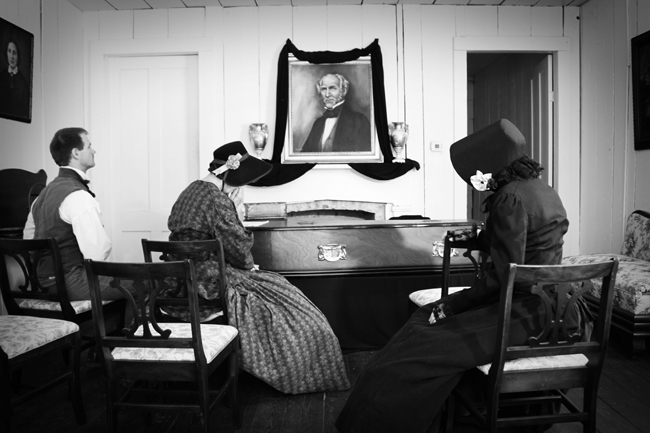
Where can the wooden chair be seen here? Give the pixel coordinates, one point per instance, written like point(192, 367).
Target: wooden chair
point(25, 339)
point(181, 352)
point(553, 361)
point(24, 293)
point(179, 250)
point(18, 190)
point(452, 242)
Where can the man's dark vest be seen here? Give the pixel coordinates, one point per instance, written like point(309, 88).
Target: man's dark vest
point(50, 225)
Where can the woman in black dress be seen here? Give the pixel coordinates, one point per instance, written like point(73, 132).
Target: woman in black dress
point(406, 383)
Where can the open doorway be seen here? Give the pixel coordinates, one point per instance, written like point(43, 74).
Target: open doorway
point(517, 87)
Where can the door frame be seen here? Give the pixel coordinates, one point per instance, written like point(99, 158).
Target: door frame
point(566, 132)
point(97, 116)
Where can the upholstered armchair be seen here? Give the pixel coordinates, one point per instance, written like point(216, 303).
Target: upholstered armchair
point(632, 290)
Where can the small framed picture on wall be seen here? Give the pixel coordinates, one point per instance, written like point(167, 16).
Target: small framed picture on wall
point(16, 72)
point(641, 90)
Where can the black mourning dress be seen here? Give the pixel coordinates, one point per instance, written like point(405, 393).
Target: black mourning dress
point(404, 386)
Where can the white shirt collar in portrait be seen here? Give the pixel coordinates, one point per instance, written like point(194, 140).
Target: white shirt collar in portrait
point(329, 124)
point(13, 71)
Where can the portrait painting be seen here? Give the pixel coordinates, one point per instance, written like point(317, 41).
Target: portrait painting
point(331, 113)
point(641, 90)
point(16, 72)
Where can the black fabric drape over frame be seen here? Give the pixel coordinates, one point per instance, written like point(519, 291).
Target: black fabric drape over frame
point(284, 173)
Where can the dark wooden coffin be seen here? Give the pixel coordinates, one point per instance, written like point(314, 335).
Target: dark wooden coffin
point(359, 273)
point(317, 246)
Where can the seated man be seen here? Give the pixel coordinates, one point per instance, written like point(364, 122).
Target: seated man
point(67, 211)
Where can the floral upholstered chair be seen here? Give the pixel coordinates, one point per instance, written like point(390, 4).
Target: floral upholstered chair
point(632, 290)
point(27, 339)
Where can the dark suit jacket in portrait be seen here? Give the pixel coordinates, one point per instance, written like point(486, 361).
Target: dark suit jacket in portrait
point(351, 133)
point(14, 94)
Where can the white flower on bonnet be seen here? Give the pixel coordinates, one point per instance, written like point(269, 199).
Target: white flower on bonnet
point(481, 181)
point(231, 164)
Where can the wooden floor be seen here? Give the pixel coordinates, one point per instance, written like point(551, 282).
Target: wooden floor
point(624, 404)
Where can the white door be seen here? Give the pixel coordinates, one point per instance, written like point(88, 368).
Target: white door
point(541, 132)
point(153, 144)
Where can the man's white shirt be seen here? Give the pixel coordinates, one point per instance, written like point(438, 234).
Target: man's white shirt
point(82, 211)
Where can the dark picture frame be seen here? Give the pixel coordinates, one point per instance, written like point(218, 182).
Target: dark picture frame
point(355, 138)
point(16, 89)
point(641, 90)
point(282, 173)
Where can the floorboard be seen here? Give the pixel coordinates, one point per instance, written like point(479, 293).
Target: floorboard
point(623, 406)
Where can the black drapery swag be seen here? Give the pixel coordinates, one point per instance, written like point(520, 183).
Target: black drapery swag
point(284, 173)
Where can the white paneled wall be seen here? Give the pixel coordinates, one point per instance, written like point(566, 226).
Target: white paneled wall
point(615, 177)
point(425, 80)
point(424, 57)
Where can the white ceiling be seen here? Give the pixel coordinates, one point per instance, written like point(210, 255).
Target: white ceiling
point(109, 5)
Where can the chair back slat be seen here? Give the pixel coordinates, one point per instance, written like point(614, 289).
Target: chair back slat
point(471, 247)
point(191, 250)
point(146, 280)
point(27, 283)
point(559, 287)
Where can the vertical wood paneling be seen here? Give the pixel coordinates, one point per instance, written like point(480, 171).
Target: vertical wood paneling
point(546, 22)
point(309, 28)
point(50, 80)
point(597, 138)
point(343, 29)
point(90, 32)
point(412, 112)
point(245, 55)
point(619, 147)
point(514, 20)
point(379, 22)
point(275, 29)
point(566, 66)
point(186, 22)
point(445, 197)
point(211, 81)
point(71, 66)
point(481, 21)
point(241, 72)
point(150, 23)
point(116, 24)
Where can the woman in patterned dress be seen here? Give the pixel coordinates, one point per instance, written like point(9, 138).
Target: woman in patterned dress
point(286, 340)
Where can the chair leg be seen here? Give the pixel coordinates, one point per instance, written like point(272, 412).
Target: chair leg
point(5, 395)
point(75, 381)
point(233, 392)
point(204, 401)
point(590, 400)
point(448, 417)
point(111, 413)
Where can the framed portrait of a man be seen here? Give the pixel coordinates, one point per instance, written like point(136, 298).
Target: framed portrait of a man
point(16, 72)
point(331, 113)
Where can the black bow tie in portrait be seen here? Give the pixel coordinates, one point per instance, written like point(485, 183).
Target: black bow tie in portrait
point(333, 112)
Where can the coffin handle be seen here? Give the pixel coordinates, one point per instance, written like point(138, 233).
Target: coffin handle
point(332, 252)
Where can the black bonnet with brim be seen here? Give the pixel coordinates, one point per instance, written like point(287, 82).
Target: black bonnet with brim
point(488, 150)
point(240, 170)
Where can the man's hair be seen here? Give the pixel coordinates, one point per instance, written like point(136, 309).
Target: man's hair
point(343, 84)
point(63, 142)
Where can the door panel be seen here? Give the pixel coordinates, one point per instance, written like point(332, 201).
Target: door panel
point(153, 144)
